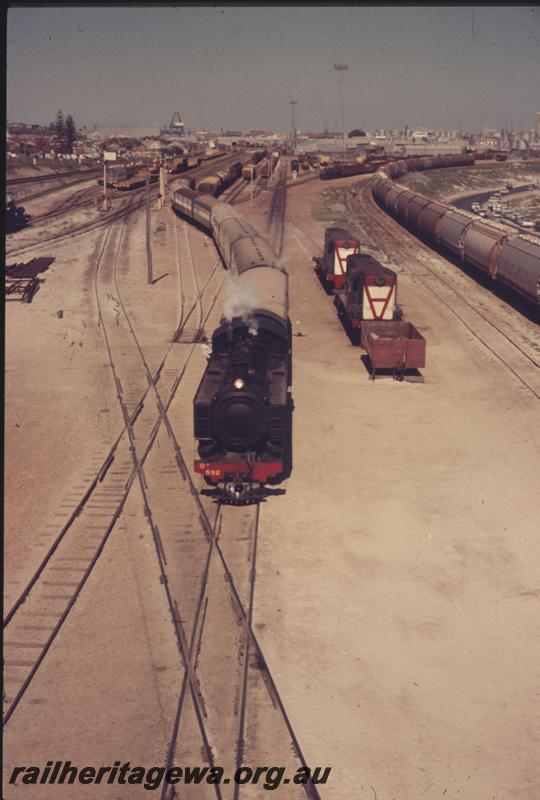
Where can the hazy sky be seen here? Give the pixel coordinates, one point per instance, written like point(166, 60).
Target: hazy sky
point(236, 68)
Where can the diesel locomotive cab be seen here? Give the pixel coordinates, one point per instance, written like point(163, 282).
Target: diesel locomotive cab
point(242, 408)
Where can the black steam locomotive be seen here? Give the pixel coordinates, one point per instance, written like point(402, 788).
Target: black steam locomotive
point(243, 406)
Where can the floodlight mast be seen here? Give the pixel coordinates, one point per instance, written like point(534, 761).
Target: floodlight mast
point(293, 103)
point(340, 69)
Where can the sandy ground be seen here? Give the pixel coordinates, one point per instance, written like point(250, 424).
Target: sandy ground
point(397, 578)
point(396, 586)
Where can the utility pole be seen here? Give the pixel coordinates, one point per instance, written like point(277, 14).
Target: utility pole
point(162, 184)
point(340, 69)
point(105, 206)
point(251, 188)
point(293, 103)
point(149, 278)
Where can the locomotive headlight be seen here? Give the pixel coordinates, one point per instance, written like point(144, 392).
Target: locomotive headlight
point(238, 383)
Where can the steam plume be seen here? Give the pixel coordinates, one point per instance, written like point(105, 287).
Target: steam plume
point(240, 299)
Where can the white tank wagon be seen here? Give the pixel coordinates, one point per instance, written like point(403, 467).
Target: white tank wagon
point(243, 405)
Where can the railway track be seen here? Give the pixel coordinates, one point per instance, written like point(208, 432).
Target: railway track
point(90, 173)
point(52, 190)
point(221, 633)
point(82, 198)
point(133, 204)
point(230, 194)
point(519, 360)
point(277, 214)
point(77, 546)
point(451, 287)
point(134, 201)
point(206, 559)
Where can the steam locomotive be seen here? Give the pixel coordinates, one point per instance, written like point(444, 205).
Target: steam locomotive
point(243, 405)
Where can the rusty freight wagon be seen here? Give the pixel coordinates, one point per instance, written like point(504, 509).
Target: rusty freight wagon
point(393, 345)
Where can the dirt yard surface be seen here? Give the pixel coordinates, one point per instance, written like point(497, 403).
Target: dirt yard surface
point(397, 578)
point(397, 582)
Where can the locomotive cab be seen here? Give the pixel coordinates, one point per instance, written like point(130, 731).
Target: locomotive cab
point(338, 245)
point(370, 292)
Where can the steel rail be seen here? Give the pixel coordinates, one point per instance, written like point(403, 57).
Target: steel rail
point(189, 667)
point(247, 624)
point(80, 506)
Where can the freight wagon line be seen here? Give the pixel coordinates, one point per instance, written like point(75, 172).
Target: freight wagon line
point(374, 217)
point(464, 300)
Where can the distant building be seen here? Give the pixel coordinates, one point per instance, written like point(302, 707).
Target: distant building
point(136, 131)
point(433, 148)
point(487, 139)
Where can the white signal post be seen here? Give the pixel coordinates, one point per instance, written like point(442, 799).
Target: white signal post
point(251, 186)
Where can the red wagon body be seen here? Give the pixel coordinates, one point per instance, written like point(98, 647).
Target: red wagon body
point(394, 345)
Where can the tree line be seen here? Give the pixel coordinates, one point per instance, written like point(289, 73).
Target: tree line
point(64, 133)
